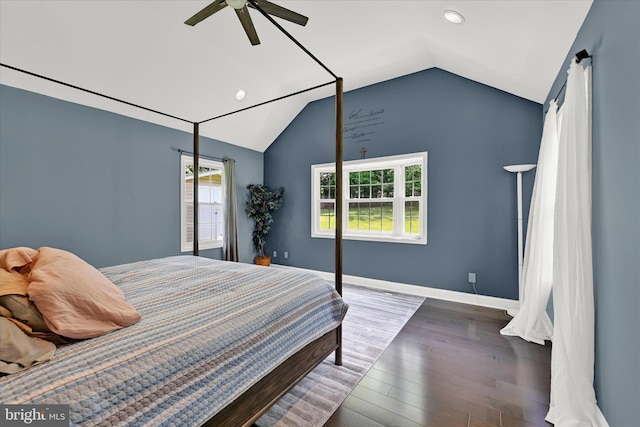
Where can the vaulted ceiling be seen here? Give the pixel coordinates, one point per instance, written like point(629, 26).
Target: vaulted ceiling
point(142, 52)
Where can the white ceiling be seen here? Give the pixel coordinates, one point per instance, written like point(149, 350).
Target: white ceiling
point(142, 52)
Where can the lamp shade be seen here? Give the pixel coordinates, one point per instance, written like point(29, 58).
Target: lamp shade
point(519, 168)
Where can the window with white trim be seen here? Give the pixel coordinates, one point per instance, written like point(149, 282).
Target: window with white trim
point(385, 199)
point(210, 201)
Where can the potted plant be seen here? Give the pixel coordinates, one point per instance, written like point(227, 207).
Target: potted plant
point(262, 201)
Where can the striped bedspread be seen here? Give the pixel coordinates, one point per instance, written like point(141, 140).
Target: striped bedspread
point(209, 330)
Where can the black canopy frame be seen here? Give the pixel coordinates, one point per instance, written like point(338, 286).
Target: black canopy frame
point(338, 81)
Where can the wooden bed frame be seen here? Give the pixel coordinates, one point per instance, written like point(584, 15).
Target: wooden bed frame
point(250, 405)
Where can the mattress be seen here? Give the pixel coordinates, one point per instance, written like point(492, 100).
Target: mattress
point(209, 330)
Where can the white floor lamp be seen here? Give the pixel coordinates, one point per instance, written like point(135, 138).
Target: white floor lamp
point(519, 169)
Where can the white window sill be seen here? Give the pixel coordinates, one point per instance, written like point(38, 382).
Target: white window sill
point(202, 246)
point(417, 240)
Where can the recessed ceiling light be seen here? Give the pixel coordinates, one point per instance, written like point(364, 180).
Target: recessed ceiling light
point(240, 94)
point(453, 17)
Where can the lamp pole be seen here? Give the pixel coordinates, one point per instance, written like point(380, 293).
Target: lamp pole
point(519, 169)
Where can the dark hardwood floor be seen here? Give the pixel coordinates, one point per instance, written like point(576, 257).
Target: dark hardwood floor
point(449, 366)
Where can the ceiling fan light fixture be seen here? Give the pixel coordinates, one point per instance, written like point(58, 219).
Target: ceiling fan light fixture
point(240, 94)
point(453, 16)
point(241, 8)
point(236, 4)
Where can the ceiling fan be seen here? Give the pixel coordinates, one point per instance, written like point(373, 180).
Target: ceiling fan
point(242, 11)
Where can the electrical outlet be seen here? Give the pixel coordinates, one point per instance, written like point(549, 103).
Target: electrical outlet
point(472, 277)
point(286, 254)
point(275, 254)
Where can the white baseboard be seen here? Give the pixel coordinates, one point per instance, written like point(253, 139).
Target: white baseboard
point(443, 294)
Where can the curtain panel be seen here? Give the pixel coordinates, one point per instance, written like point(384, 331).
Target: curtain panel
point(532, 322)
point(230, 235)
point(573, 401)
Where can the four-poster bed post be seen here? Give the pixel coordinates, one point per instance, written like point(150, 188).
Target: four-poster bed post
point(338, 251)
point(196, 181)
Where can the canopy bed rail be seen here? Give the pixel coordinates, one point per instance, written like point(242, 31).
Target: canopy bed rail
point(92, 92)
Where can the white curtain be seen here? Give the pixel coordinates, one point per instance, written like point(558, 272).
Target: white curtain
point(532, 322)
point(573, 401)
point(230, 235)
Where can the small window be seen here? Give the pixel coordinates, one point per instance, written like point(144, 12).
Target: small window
point(384, 199)
point(210, 201)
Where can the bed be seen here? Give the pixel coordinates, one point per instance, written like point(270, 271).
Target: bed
point(218, 343)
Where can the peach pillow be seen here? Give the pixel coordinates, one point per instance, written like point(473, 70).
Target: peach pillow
point(75, 299)
point(13, 291)
point(15, 258)
point(12, 283)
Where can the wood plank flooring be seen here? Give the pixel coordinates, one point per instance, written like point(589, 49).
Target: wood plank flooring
point(449, 366)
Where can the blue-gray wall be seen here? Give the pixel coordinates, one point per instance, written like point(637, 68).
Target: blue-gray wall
point(611, 33)
point(101, 185)
point(470, 131)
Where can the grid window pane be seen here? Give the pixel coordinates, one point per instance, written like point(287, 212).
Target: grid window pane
point(364, 216)
point(328, 178)
point(327, 216)
point(371, 216)
point(388, 175)
point(354, 192)
point(204, 193)
point(216, 195)
point(365, 177)
point(327, 185)
point(376, 191)
point(353, 216)
point(206, 214)
point(412, 217)
point(368, 184)
point(386, 216)
point(376, 177)
point(354, 178)
point(413, 180)
point(205, 232)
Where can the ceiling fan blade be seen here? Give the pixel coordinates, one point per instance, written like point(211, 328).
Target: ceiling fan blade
point(206, 12)
point(247, 24)
point(281, 12)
